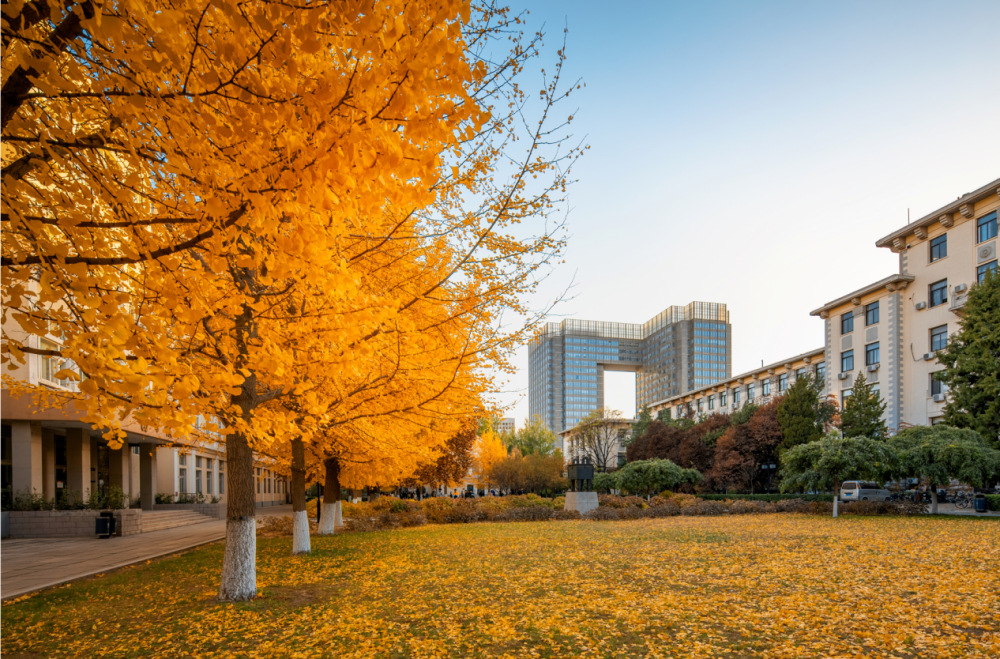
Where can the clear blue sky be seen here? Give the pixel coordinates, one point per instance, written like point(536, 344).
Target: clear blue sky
point(753, 152)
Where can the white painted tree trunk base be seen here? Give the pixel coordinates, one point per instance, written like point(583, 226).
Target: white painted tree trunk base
point(339, 520)
point(239, 563)
point(835, 501)
point(300, 532)
point(328, 520)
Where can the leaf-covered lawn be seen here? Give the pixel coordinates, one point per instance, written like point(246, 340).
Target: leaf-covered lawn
point(739, 586)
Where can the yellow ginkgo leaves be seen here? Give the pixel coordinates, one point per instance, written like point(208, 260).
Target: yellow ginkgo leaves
point(743, 586)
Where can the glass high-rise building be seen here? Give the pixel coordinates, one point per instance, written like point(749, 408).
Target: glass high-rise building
point(680, 349)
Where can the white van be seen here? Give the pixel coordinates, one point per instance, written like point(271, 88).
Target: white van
point(863, 491)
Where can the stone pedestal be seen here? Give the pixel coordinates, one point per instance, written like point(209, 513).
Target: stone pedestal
point(581, 501)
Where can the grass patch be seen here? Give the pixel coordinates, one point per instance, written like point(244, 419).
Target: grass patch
point(736, 586)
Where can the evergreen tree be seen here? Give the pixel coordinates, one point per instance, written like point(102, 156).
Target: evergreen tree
point(640, 425)
point(823, 465)
point(940, 453)
point(862, 416)
point(972, 357)
point(797, 414)
point(744, 414)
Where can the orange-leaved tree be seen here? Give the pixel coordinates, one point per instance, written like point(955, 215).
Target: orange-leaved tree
point(167, 192)
point(191, 210)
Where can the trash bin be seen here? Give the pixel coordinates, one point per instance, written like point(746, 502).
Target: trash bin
point(107, 525)
point(979, 503)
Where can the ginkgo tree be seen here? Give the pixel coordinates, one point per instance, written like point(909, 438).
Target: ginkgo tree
point(182, 204)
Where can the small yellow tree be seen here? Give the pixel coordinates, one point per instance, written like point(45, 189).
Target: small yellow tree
point(489, 449)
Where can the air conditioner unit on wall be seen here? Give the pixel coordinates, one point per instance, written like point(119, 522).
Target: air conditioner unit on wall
point(960, 288)
point(921, 306)
point(843, 376)
point(872, 368)
point(939, 398)
point(929, 356)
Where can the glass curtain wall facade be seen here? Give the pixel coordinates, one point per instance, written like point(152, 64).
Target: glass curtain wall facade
point(680, 349)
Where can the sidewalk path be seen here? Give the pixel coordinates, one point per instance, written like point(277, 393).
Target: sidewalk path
point(952, 509)
point(30, 564)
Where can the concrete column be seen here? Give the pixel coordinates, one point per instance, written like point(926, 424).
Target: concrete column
point(133, 474)
point(48, 463)
point(26, 456)
point(119, 472)
point(78, 460)
point(94, 460)
point(147, 476)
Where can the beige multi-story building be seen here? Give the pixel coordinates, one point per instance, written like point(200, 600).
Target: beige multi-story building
point(892, 329)
point(889, 330)
point(758, 386)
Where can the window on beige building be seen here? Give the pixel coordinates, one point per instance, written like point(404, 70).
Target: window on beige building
point(847, 323)
point(986, 227)
point(983, 269)
point(937, 387)
point(939, 248)
point(871, 314)
point(939, 338)
point(847, 361)
point(871, 354)
point(938, 293)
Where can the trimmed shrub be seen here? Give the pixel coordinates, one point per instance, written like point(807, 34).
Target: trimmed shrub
point(602, 514)
point(666, 509)
point(706, 508)
point(882, 508)
point(743, 507)
point(766, 497)
point(566, 514)
point(993, 502)
point(617, 501)
point(791, 506)
point(683, 500)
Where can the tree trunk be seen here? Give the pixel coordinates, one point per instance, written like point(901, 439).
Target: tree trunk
point(331, 495)
point(934, 501)
point(300, 518)
point(836, 497)
point(239, 563)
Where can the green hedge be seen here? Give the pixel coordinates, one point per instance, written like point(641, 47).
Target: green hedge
point(993, 502)
point(766, 497)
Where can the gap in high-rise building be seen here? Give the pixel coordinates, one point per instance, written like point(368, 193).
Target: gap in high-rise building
point(619, 392)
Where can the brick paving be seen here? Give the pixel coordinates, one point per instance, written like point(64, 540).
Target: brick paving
point(27, 565)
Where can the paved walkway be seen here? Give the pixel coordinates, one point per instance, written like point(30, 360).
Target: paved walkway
point(31, 564)
point(952, 509)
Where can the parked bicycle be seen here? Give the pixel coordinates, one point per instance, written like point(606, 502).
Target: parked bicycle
point(963, 500)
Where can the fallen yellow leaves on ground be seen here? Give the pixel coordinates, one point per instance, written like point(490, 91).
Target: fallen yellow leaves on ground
point(734, 586)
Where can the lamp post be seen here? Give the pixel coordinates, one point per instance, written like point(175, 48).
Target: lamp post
point(770, 468)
